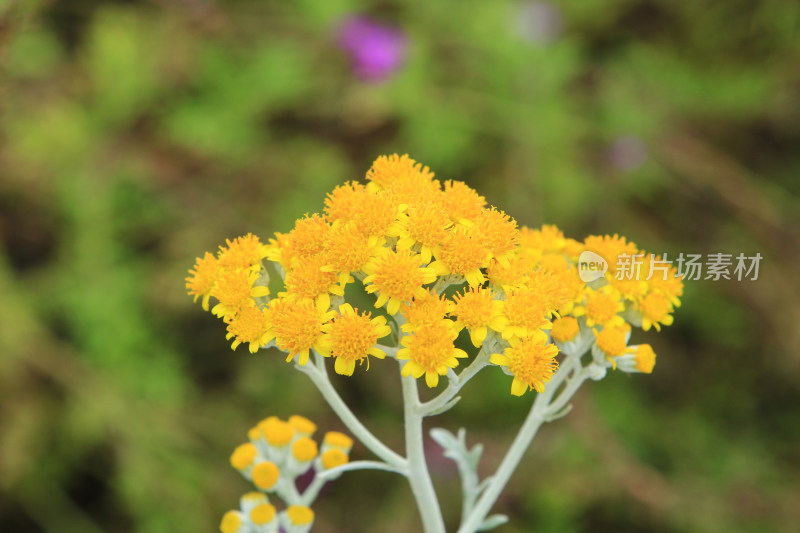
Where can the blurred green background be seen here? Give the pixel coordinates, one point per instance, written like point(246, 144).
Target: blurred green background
point(135, 135)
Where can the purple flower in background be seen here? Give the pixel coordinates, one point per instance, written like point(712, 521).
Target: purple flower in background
point(539, 22)
point(377, 51)
point(628, 152)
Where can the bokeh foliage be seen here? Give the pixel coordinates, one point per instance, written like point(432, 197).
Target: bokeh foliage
point(135, 135)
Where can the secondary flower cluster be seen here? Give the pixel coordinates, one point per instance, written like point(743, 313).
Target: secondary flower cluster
point(438, 262)
point(276, 454)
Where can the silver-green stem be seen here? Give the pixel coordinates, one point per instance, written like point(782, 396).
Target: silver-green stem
point(539, 414)
point(418, 476)
point(319, 376)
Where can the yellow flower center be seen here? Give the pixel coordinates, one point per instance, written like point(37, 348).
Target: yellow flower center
point(398, 275)
point(532, 362)
point(547, 239)
point(352, 336)
point(304, 449)
point(333, 457)
point(338, 439)
point(231, 522)
point(463, 251)
point(601, 307)
point(243, 456)
point(645, 358)
point(265, 475)
point(297, 324)
point(655, 307)
point(461, 201)
point(425, 309)
point(233, 290)
point(307, 280)
point(242, 252)
point(427, 224)
point(525, 308)
point(302, 425)
point(203, 277)
point(431, 345)
point(391, 170)
point(263, 513)
point(306, 239)
point(347, 249)
point(565, 329)
point(249, 325)
point(610, 248)
point(475, 307)
point(276, 431)
point(611, 341)
point(300, 515)
point(498, 231)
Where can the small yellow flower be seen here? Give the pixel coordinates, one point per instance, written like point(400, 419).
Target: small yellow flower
point(231, 522)
point(645, 358)
point(203, 278)
point(498, 232)
point(461, 202)
point(304, 449)
point(655, 310)
point(565, 329)
point(610, 248)
point(511, 274)
point(263, 514)
point(242, 253)
point(333, 457)
point(235, 291)
point(613, 340)
point(243, 456)
point(397, 277)
point(550, 288)
point(602, 307)
point(408, 181)
point(525, 311)
point(371, 212)
point(426, 309)
point(306, 280)
point(250, 325)
point(348, 250)
point(667, 283)
point(547, 239)
point(300, 515)
point(275, 431)
point(477, 310)
point(430, 351)
point(531, 361)
point(265, 475)
point(337, 439)
point(463, 252)
point(302, 425)
point(306, 239)
point(351, 338)
point(422, 227)
point(297, 326)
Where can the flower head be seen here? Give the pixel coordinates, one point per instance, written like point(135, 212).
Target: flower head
point(297, 326)
point(463, 252)
point(351, 337)
point(531, 361)
point(429, 350)
point(203, 278)
point(236, 291)
point(397, 277)
point(477, 310)
point(425, 309)
point(242, 253)
point(655, 309)
point(602, 307)
point(250, 325)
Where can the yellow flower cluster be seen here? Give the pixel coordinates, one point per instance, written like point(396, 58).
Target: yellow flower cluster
point(276, 453)
point(438, 260)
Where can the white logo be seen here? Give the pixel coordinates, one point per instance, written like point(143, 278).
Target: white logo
point(591, 266)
